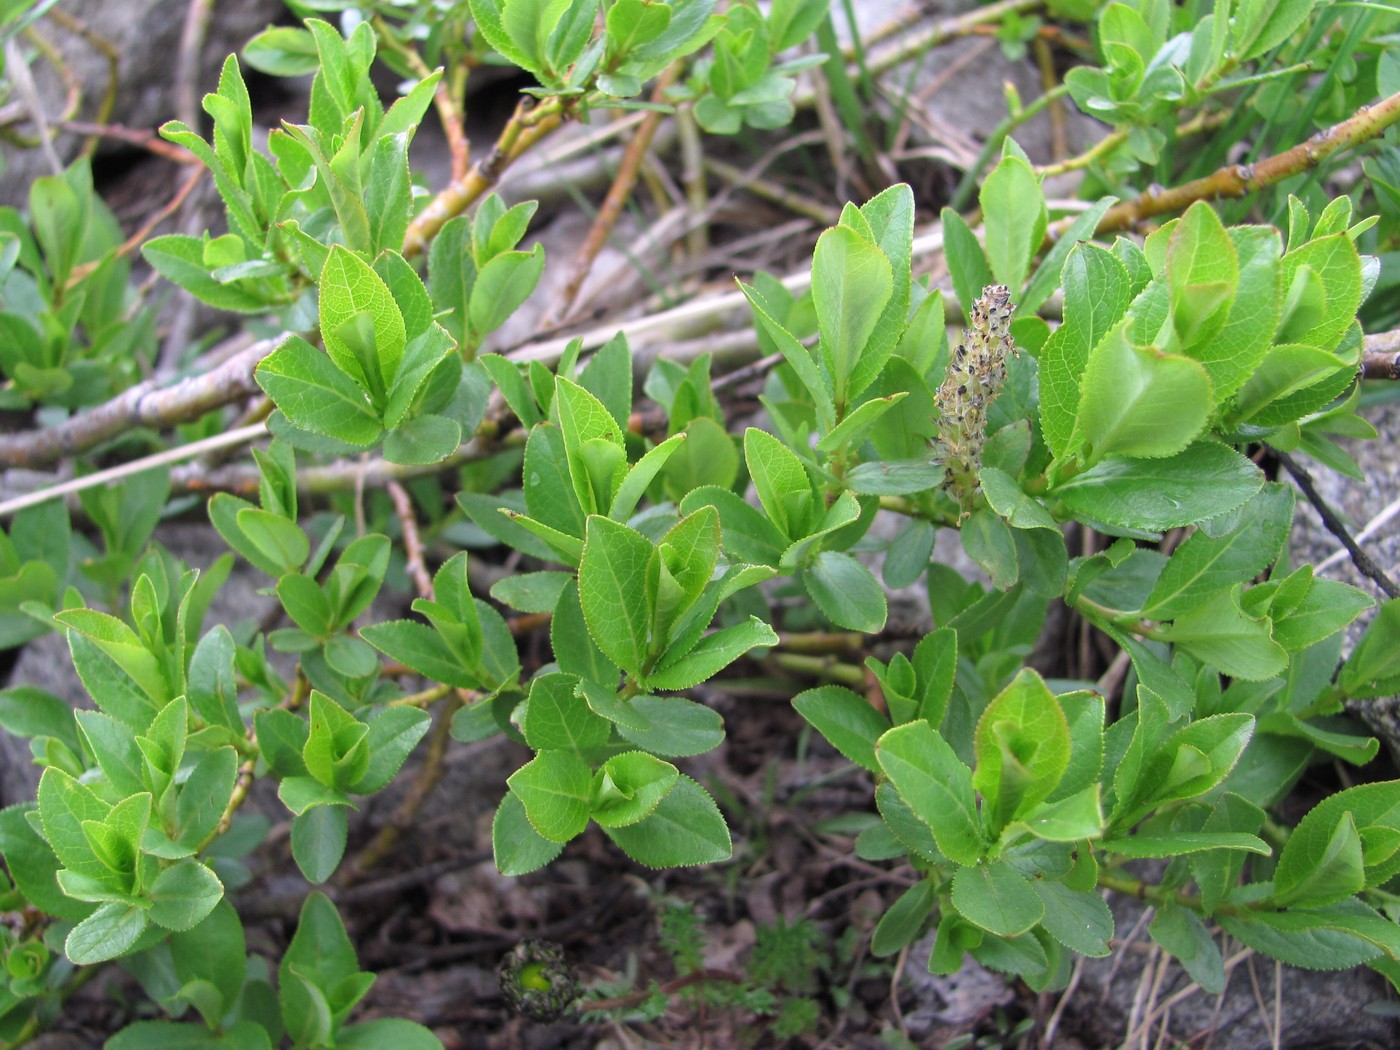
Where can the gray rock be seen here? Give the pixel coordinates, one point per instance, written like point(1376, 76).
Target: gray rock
point(145, 36)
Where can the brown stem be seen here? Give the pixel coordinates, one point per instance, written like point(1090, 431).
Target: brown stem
point(1334, 524)
point(1236, 180)
point(449, 113)
point(526, 128)
point(383, 843)
point(618, 195)
point(623, 1002)
point(147, 404)
point(1381, 359)
point(413, 543)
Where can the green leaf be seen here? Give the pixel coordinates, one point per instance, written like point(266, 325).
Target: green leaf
point(518, 848)
point(798, 357)
point(1182, 933)
point(846, 591)
point(849, 723)
point(851, 283)
point(1138, 401)
point(712, 654)
point(531, 592)
point(629, 787)
point(318, 980)
point(424, 440)
point(318, 841)
point(1328, 836)
point(108, 933)
point(997, 898)
point(1201, 482)
point(183, 895)
point(386, 1031)
point(556, 719)
point(1335, 938)
point(781, 482)
point(671, 725)
point(1022, 744)
point(612, 591)
point(1014, 214)
point(205, 796)
point(393, 734)
point(180, 260)
point(1234, 551)
point(1373, 669)
point(1183, 842)
point(1202, 272)
point(935, 784)
point(685, 829)
point(904, 921)
point(1080, 920)
point(424, 650)
point(502, 285)
point(1219, 632)
point(966, 263)
point(351, 290)
point(317, 396)
point(556, 788)
point(1097, 292)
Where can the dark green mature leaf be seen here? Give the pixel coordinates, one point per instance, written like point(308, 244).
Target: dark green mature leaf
point(183, 895)
point(518, 848)
point(1078, 919)
point(1209, 561)
point(318, 841)
point(847, 721)
point(1219, 632)
point(903, 922)
point(671, 726)
point(1181, 932)
point(1373, 669)
point(1335, 938)
point(384, 1032)
point(997, 897)
point(846, 591)
point(557, 719)
point(1201, 482)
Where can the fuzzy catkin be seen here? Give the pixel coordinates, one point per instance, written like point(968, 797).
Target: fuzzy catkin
point(976, 372)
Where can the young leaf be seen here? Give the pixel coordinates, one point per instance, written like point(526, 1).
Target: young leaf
point(685, 829)
point(851, 283)
point(612, 590)
point(556, 788)
point(936, 786)
point(847, 721)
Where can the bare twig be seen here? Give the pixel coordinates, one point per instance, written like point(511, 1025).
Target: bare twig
point(527, 127)
point(1334, 524)
point(147, 404)
point(1236, 180)
point(192, 37)
point(618, 195)
point(413, 544)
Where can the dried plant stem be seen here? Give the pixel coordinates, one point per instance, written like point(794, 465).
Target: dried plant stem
point(528, 126)
point(126, 470)
point(413, 544)
point(192, 37)
point(147, 404)
point(1381, 358)
point(449, 112)
point(1334, 524)
point(1236, 180)
point(618, 195)
point(406, 814)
